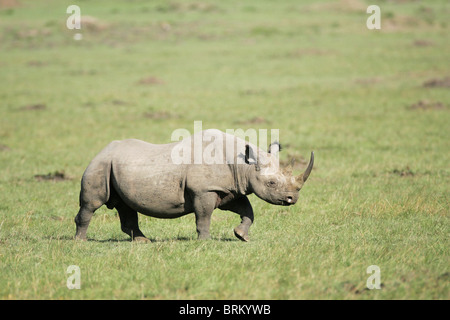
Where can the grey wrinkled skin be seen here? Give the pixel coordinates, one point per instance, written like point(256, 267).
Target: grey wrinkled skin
point(135, 176)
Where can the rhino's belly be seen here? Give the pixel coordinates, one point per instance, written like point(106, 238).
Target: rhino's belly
point(152, 191)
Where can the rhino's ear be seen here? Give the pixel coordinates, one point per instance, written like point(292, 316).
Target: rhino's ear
point(250, 157)
point(274, 147)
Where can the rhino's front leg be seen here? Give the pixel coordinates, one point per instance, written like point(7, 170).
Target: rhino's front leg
point(242, 207)
point(204, 205)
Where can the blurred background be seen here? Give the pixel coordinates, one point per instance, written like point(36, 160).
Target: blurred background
point(372, 104)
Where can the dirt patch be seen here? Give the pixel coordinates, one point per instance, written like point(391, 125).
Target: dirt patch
point(118, 102)
point(160, 115)
point(36, 63)
point(309, 52)
point(151, 81)
point(254, 120)
point(29, 34)
point(4, 147)
point(405, 172)
point(368, 81)
point(396, 22)
point(32, 107)
point(93, 24)
point(252, 92)
point(8, 4)
point(53, 176)
point(339, 6)
point(423, 43)
point(172, 6)
point(437, 83)
point(427, 105)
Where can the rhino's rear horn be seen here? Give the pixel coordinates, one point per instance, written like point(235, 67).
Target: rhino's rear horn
point(289, 168)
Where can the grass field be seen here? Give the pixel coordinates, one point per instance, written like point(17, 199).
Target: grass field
point(373, 105)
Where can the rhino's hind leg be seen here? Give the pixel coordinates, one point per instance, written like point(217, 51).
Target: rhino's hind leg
point(94, 192)
point(129, 222)
point(82, 220)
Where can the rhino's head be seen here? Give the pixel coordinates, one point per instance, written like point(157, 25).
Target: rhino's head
point(271, 183)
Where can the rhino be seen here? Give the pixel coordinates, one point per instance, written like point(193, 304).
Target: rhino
point(136, 176)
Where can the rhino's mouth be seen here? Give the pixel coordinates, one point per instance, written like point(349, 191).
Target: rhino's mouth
point(287, 202)
point(284, 201)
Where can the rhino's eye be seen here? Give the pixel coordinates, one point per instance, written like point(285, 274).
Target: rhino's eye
point(271, 183)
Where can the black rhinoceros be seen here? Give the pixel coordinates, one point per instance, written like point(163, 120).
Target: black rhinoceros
point(156, 180)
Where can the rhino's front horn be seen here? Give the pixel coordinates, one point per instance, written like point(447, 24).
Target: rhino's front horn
point(304, 176)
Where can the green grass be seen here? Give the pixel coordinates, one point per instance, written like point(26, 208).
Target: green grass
point(378, 194)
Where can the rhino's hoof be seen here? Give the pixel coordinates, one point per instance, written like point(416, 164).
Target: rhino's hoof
point(241, 235)
point(141, 239)
point(78, 238)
